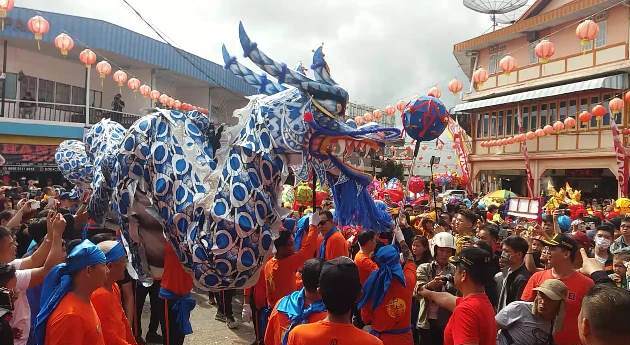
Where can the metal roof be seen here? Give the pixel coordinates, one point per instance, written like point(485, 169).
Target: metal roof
point(618, 82)
point(101, 35)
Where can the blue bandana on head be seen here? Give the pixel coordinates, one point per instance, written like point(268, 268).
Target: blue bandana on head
point(292, 305)
point(59, 282)
point(376, 286)
point(116, 253)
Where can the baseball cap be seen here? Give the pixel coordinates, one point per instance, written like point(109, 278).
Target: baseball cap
point(582, 239)
point(554, 289)
point(471, 257)
point(561, 240)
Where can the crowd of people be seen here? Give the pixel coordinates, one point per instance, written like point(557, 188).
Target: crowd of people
point(454, 275)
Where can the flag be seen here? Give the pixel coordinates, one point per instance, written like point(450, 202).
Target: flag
point(620, 155)
point(456, 133)
point(530, 179)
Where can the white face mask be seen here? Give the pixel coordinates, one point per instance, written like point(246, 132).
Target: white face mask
point(602, 242)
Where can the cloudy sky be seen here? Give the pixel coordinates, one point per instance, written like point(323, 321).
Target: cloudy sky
point(379, 50)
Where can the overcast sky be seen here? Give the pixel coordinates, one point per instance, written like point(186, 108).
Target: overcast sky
point(379, 50)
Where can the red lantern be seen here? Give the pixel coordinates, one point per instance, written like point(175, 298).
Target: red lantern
point(540, 132)
point(545, 50)
point(133, 84)
point(558, 126)
point(455, 86)
point(5, 7)
point(64, 43)
point(103, 68)
point(401, 106)
point(120, 77)
point(511, 140)
point(390, 110)
point(569, 122)
point(434, 92)
point(377, 114)
point(521, 137)
point(416, 184)
point(508, 64)
point(87, 57)
point(368, 117)
point(358, 120)
point(163, 99)
point(587, 31)
point(155, 95)
point(170, 102)
point(626, 131)
point(177, 104)
point(39, 27)
point(599, 110)
point(530, 135)
point(145, 90)
point(585, 116)
point(482, 143)
point(626, 97)
point(616, 105)
point(548, 129)
point(480, 76)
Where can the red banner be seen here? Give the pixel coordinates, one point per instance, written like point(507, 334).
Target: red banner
point(28, 154)
point(621, 155)
point(530, 179)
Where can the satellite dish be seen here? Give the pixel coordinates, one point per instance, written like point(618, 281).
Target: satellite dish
point(511, 17)
point(494, 7)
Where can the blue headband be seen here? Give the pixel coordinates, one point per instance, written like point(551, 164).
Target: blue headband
point(116, 253)
point(59, 281)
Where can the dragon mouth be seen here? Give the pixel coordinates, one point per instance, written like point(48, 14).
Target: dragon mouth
point(342, 150)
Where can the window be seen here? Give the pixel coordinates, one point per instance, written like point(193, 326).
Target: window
point(553, 113)
point(96, 98)
point(584, 107)
point(62, 93)
point(78, 95)
point(479, 125)
point(572, 108)
point(517, 127)
point(594, 101)
point(543, 115)
point(493, 124)
point(28, 86)
point(485, 124)
point(562, 111)
point(525, 119)
point(600, 40)
point(531, 52)
point(508, 122)
point(11, 83)
point(534, 118)
point(46, 91)
point(493, 64)
point(500, 119)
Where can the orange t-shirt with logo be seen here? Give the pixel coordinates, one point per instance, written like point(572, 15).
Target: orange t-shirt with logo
point(336, 246)
point(280, 273)
point(74, 322)
point(116, 330)
point(394, 312)
point(325, 333)
point(175, 278)
point(279, 323)
point(578, 286)
point(365, 265)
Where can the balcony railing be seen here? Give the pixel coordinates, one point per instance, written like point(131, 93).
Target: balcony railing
point(63, 113)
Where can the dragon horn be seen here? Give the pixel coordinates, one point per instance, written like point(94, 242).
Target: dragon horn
point(320, 67)
point(287, 75)
point(264, 85)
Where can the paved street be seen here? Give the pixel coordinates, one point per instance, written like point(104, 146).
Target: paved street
point(208, 331)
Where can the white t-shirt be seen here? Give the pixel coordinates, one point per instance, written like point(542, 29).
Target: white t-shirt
point(21, 310)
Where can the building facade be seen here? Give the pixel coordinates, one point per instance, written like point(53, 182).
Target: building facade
point(44, 94)
point(575, 79)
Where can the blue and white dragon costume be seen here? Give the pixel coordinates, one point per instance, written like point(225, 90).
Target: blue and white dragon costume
point(220, 207)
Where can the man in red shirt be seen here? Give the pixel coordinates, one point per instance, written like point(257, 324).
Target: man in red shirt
point(299, 307)
point(367, 242)
point(332, 243)
point(563, 249)
point(472, 321)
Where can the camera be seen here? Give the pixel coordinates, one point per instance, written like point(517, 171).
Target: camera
point(6, 299)
point(447, 278)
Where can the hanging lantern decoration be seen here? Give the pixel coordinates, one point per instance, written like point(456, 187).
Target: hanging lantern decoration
point(540, 133)
point(177, 104)
point(120, 77)
point(587, 31)
point(64, 43)
point(133, 84)
point(164, 99)
point(39, 26)
point(145, 90)
point(455, 86)
point(483, 144)
point(548, 129)
point(569, 122)
point(558, 126)
point(545, 50)
point(626, 131)
point(585, 116)
point(508, 64)
point(170, 102)
point(155, 95)
point(434, 92)
point(368, 117)
point(479, 77)
point(390, 110)
point(87, 57)
point(377, 114)
point(416, 184)
point(401, 106)
point(103, 68)
point(358, 120)
point(599, 110)
point(511, 140)
point(530, 135)
point(616, 105)
point(5, 7)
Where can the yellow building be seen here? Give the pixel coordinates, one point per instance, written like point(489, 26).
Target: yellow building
point(576, 78)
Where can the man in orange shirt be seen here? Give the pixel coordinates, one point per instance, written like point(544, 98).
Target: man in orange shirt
point(254, 300)
point(280, 270)
point(340, 288)
point(66, 314)
point(367, 243)
point(387, 298)
point(175, 290)
point(107, 301)
point(299, 307)
point(332, 244)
